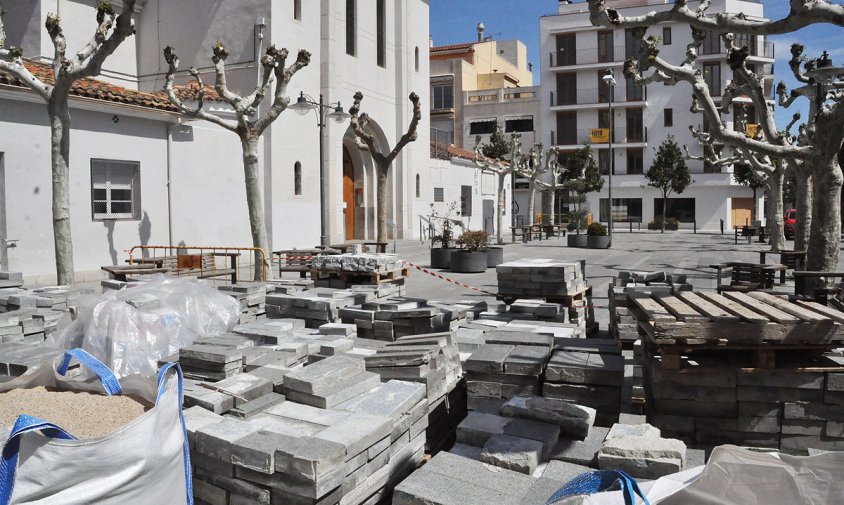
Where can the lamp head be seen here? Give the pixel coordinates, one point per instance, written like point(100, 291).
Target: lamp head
point(608, 78)
point(302, 105)
point(338, 114)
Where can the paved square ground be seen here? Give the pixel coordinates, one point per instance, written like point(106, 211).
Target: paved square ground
point(680, 252)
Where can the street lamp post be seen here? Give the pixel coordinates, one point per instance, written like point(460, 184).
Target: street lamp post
point(609, 80)
point(302, 106)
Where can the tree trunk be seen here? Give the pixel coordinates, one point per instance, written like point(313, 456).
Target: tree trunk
point(381, 202)
point(255, 203)
point(774, 209)
point(499, 211)
point(57, 108)
point(552, 204)
point(803, 206)
point(531, 201)
point(753, 208)
point(664, 206)
point(825, 235)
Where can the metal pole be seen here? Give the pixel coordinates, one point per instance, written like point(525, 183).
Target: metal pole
point(612, 161)
point(323, 239)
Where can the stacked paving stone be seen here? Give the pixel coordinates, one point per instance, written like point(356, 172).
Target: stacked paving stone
point(17, 357)
point(623, 325)
point(379, 275)
point(641, 451)
point(289, 286)
point(588, 372)
point(516, 331)
point(252, 297)
point(11, 280)
point(30, 315)
point(710, 403)
point(523, 433)
point(329, 382)
point(393, 318)
point(315, 306)
point(352, 262)
point(434, 361)
point(496, 372)
point(268, 449)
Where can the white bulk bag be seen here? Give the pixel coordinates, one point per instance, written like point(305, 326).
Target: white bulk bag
point(143, 462)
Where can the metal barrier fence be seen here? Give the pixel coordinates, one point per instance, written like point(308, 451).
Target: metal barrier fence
point(214, 263)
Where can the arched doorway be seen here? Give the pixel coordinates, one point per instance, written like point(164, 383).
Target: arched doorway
point(348, 194)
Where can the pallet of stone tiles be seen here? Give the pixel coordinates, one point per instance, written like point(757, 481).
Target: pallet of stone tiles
point(357, 263)
point(351, 278)
point(287, 452)
point(289, 286)
point(11, 279)
point(528, 278)
point(252, 297)
point(692, 318)
point(710, 402)
point(316, 306)
point(497, 372)
point(392, 318)
point(16, 357)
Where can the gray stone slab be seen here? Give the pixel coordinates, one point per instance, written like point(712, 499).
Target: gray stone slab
point(513, 453)
point(582, 452)
point(545, 433)
point(526, 360)
point(466, 451)
point(563, 471)
point(391, 399)
point(215, 440)
point(245, 387)
point(478, 427)
point(488, 358)
point(323, 374)
point(573, 419)
point(253, 407)
point(336, 393)
point(357, 432)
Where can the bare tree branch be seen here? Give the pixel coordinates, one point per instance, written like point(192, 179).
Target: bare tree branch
point(803, 13)
point(198, 113)
point(11, 62)
point(218, 56)
point(277, 58)
point(101, 47)
point(411, 134)
point(358, 123)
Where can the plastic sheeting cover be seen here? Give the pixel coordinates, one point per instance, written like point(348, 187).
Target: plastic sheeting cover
point(131, 340)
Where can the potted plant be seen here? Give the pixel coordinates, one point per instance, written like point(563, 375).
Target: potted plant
point(597, 236)
point(577, 224)
point(442, 241)
point(494, 256)
point(471, 257)
point(580, 176)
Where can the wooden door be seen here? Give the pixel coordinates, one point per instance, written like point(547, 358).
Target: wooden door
point(742, 211)
point(349, 194)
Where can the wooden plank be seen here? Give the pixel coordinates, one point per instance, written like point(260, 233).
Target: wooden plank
point(733, 307)
point(705, 307)
point(678, 308)
point(653, 310)
point(829, 312)
point(761, 308)
point(788, 307)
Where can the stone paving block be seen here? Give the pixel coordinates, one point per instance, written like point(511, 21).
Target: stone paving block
point(641, 452)
point(478, 427)
point(272, 374)
point(324, 374)
point(335, 393)
point(513, 453)
point(466, 451)
point(633, 430)
point(526, 360)
point(245, 387)
point(256, 406)
point(562, 471)
point(582, 452)
point(695, 457)
point(547, 434)
point(631, 419)
point(195, 417)
point(357, 432)
point(488, 358)
point(215, 440)
point(573, 419)
point(391, 399)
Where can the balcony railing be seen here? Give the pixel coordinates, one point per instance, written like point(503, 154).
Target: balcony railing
point(592, 96)
point(503, 95)
point(589, 56)
point(580, 136)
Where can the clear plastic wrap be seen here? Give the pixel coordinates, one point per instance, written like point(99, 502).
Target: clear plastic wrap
point(131, 329)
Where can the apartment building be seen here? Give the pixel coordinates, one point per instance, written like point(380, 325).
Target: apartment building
point(478, 86)
point(575, 100)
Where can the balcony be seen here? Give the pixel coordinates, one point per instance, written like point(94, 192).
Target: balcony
point(599, 96)
point(558, 59)
point(621, 137)
point(758, 49)
point(505, 95)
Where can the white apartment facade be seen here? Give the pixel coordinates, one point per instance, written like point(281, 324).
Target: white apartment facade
point(186, 177)
point(575, 55)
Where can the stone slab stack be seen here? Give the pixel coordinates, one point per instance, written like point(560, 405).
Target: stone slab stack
point(11, 279)
point(379, 275)
point(252, 297)
point(293, 453)
point(393, 318)
point(709, 403)
point(641, 451)
point(289, 286)
point(316, 306)
point(434, 361)
point(587, 372)
point(518, 331)
point(514, 365)
point(352, 262)
point(18, 357)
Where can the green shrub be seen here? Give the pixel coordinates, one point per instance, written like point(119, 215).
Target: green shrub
point(671, 223)
point(596, 230)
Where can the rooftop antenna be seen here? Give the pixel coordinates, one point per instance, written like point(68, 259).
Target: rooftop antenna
point(481, 29)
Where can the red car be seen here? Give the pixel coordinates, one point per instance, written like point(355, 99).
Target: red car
point(790, 223)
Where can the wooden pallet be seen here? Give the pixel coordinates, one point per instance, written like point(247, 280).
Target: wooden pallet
point(361, 277)
point(566, 300)
point(755, 318)
point(707, 360)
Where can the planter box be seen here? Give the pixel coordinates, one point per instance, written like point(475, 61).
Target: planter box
point(577, 240)
point(494, 256)
point(598, 242)
point(441, 258)
point(468, 262)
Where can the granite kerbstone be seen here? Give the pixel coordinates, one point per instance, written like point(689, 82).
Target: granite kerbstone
point(573, 419)
point(513, 453)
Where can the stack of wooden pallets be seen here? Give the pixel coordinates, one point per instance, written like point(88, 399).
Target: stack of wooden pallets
point(743, 368)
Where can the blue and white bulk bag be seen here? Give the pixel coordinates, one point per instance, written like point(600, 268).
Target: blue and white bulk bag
point(143, 462)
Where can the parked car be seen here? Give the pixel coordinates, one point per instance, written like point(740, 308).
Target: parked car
point(790, 223)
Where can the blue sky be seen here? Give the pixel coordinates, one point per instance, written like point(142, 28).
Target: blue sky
point(454, 21)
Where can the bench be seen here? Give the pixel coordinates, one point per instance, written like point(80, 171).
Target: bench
point(124, 272)
point(804, 287)
point(793, 260)
point(203, 266)
point(746, 276)
point(296, 260)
